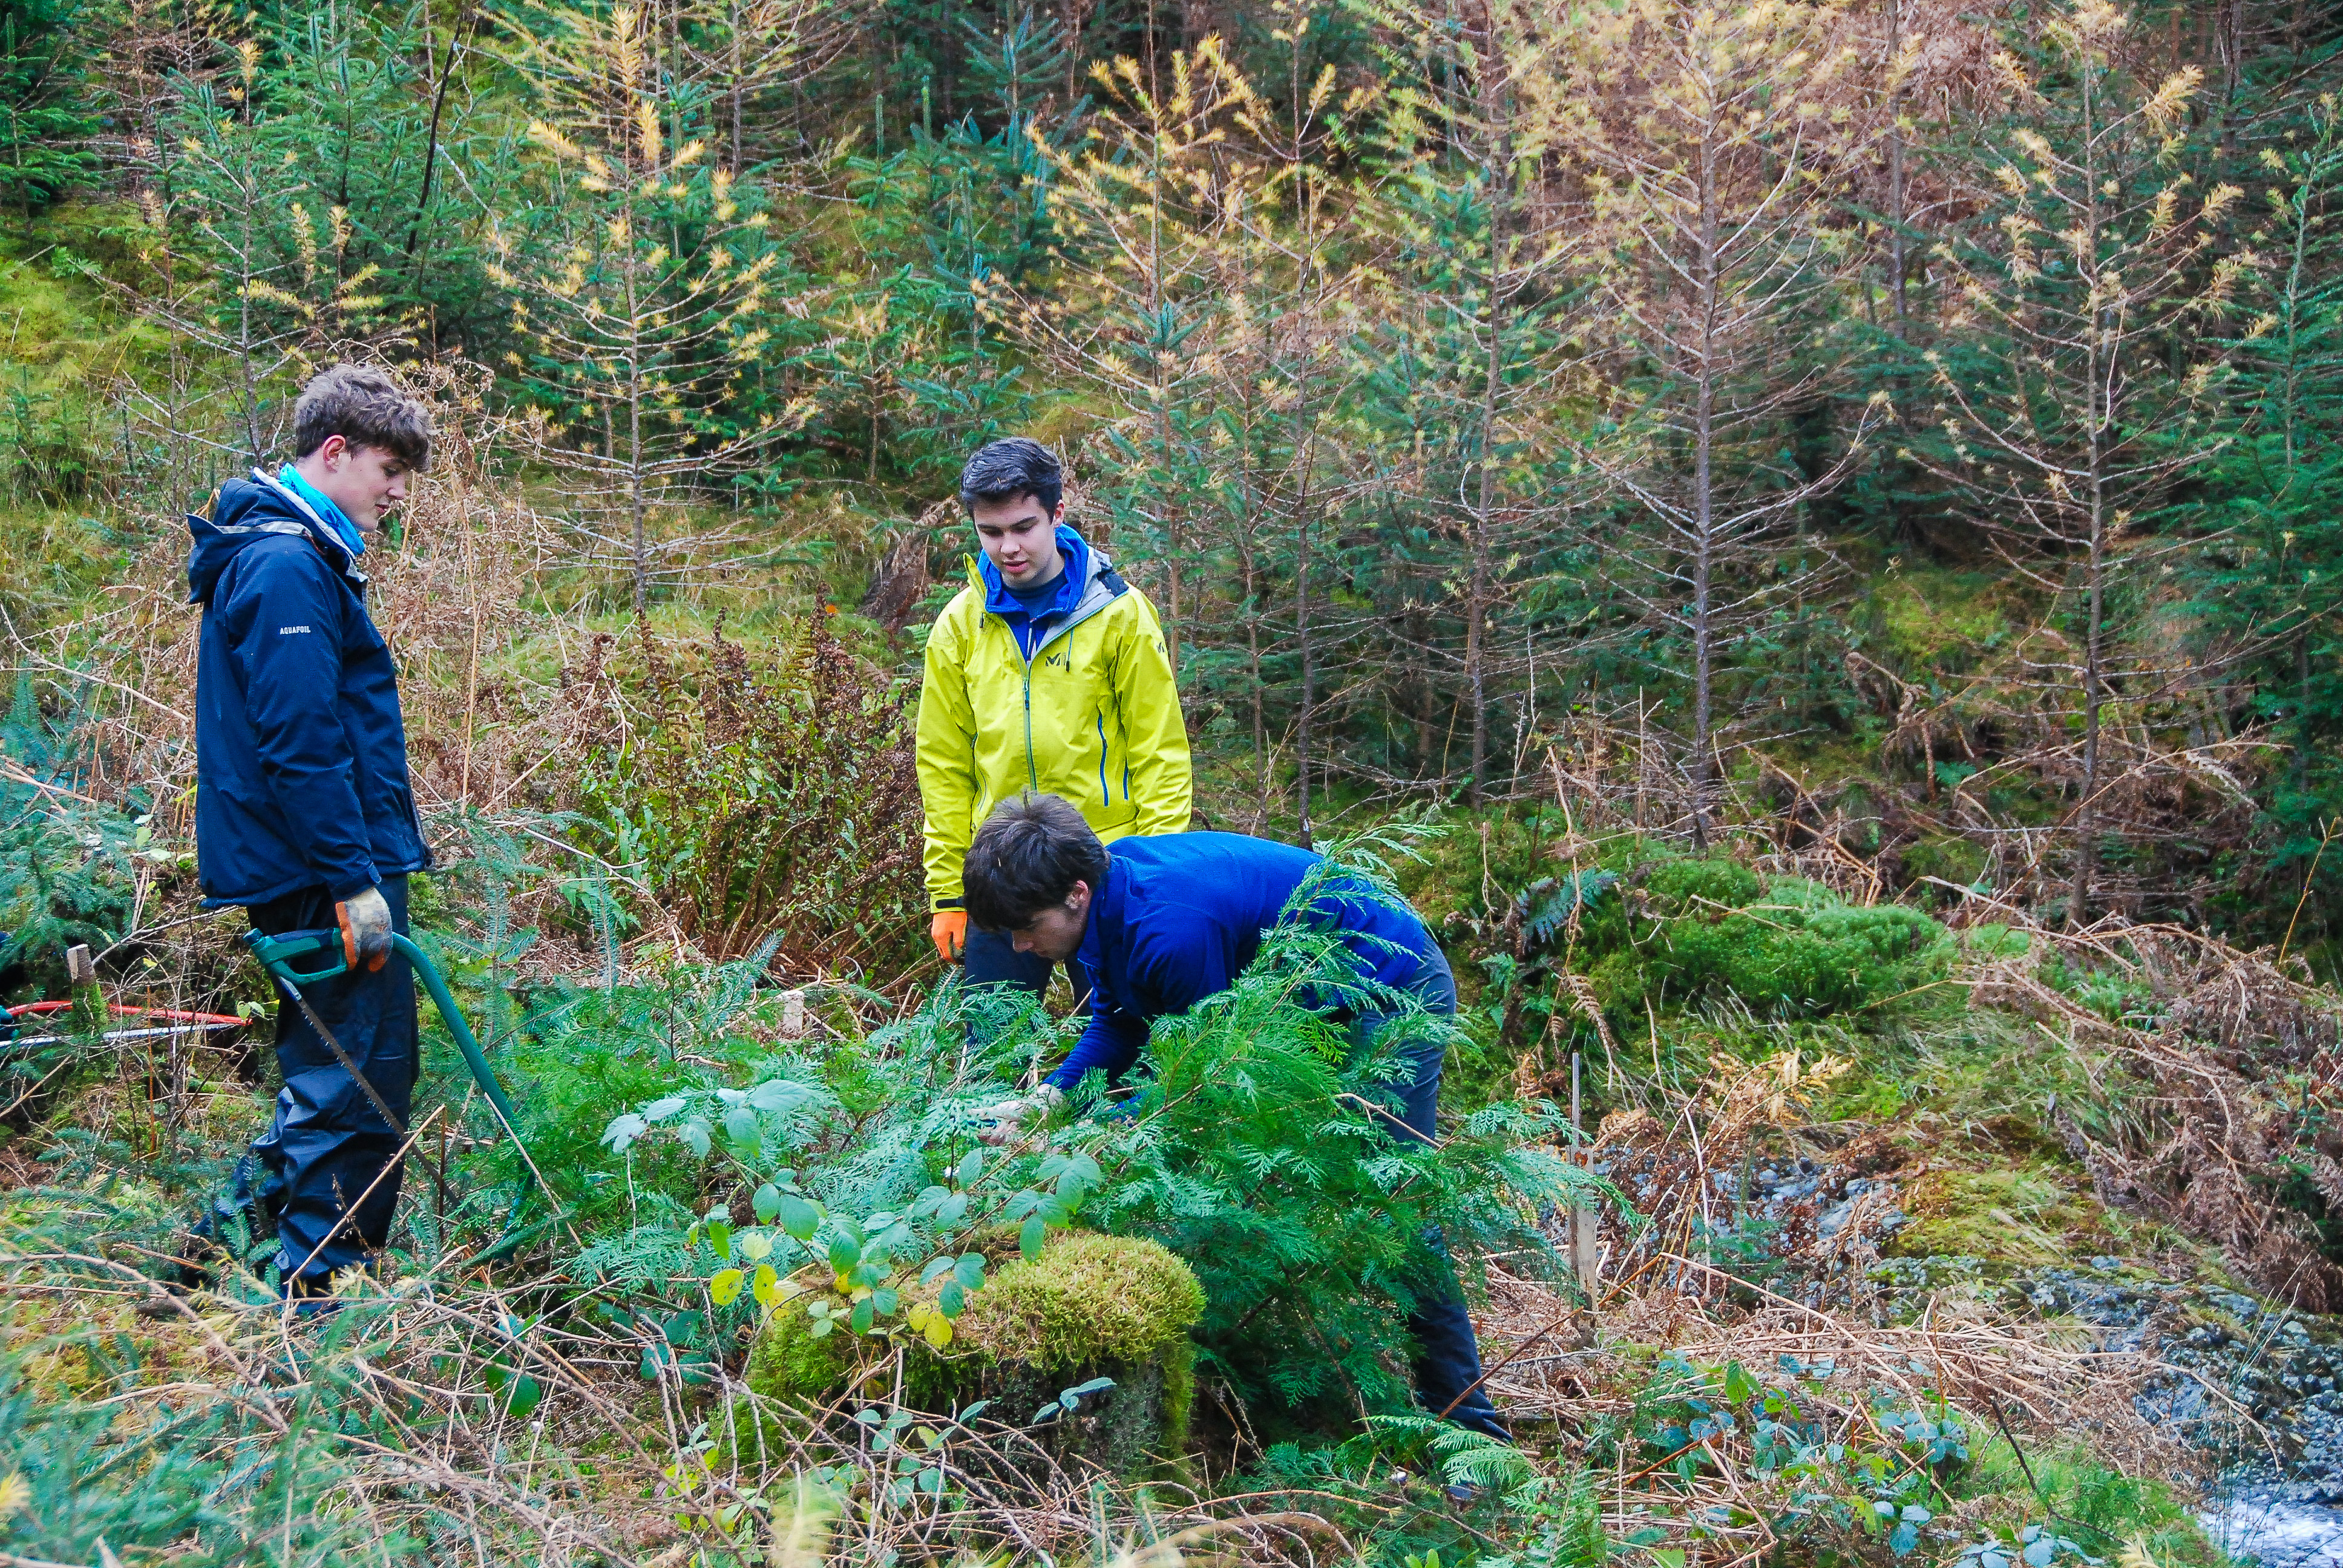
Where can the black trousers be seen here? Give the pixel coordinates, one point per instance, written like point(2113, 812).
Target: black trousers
point(327, 1145)
point(991, 958)
point(1448, 1358)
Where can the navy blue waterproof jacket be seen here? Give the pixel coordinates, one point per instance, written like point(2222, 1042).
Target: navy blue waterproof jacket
point(300, 755)
point(1179, 917)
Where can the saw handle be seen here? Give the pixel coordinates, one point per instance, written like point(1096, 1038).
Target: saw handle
point(277, 952)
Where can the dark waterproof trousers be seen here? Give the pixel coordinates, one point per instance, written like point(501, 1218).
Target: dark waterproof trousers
point(1448, 1358)
point(328, 1152)
point(990, 958)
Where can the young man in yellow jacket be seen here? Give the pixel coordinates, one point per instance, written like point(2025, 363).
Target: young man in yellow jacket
point(1048, 673)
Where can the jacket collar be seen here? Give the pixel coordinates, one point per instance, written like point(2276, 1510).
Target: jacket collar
point(1099, 585)
point(317, 528)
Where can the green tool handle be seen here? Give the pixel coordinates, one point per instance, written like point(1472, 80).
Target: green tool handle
point(277, 952)
point(474, 1057)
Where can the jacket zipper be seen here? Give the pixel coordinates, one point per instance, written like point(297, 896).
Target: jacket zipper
point(1033, 774)
point(1032, 778)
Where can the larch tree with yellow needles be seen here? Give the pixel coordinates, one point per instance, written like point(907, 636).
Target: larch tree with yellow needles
point(651, 296)
point(2074, 384)
point(1712, 143)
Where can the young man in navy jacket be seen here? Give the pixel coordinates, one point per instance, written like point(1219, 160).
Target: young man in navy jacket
point(1159, 924)
point(303, 812)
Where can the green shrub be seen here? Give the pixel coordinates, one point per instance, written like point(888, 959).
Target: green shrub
point(1252, 1153)
point(1702, 931)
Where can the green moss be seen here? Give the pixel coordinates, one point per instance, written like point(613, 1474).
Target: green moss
point(1948, 859)
point(789, 1364)
point(1798, 952)
point(1087, 1298)
point(2021, 1218)
point(1707, 887)
point(1090, 1306)
point(791, 1374)
point(1940, 620)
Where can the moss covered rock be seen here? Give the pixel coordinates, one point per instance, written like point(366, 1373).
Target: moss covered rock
point(1794, 948)
point(1088, 1307)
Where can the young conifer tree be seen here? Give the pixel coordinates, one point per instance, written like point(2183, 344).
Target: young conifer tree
point(2080, 299)
point(1144, 214)
point(2268, 576)
point(1707, 136)
point(646, 298)
point(248, 266)
point(1475, 353)
point(1282, 465)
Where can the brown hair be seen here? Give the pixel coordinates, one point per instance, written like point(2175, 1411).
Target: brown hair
point(363, 406)
point(1026, 857)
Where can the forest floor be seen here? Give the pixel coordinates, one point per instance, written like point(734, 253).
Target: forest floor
point(2003, 1247)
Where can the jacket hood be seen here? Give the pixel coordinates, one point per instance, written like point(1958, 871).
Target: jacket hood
point(247, 511)
point(1085, 578)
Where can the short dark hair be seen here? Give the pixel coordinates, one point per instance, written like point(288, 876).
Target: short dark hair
point(1026, 859)
point(363, 406)
point(1010, 471)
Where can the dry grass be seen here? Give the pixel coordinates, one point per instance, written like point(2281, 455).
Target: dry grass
point(395, 1398)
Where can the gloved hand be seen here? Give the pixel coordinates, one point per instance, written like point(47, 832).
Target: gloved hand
point(365, 920)
point(1005, 1121)
point(949, 931)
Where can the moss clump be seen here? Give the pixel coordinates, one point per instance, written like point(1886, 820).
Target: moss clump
point(1945, 857)
point(2008, 1219)
point(1087, 1298)
point(1796, 951)
point(1090, 1306)
point(791, 1374)
point(789, 1363)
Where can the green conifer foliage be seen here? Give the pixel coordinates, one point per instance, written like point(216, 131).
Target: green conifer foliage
point(46, 114)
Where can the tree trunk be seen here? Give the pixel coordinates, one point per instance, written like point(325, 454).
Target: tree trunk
point(2096, 427)
point(1895, 263)
point(2086, 841)
point(642, 565)
point(1704, 631)
point(1302, 732)
point(1477, 603)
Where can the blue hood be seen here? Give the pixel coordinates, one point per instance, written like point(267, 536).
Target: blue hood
point(247, 511)
point(1071, 583)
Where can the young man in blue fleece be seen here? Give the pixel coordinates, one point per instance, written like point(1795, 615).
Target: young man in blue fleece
point(1159, 924)
point(303, 812)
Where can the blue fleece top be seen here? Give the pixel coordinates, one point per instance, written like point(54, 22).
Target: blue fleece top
point(1029, 622)
point(1179, 917)
point(344, 531)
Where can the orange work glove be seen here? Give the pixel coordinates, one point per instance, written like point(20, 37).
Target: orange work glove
point(365, 920)
point(949, 931)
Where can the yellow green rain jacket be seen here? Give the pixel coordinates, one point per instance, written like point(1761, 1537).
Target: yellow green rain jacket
point(1093, 716)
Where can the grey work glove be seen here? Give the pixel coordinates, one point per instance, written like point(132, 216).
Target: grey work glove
point(1004, 1122)
point(365, 920)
